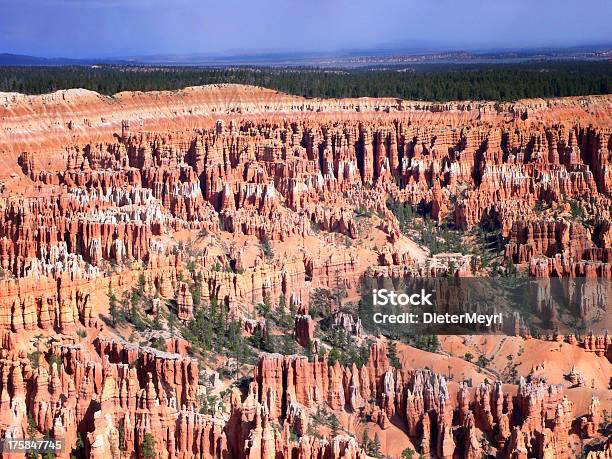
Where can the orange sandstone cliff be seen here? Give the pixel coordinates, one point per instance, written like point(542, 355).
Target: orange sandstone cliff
point(241, 200)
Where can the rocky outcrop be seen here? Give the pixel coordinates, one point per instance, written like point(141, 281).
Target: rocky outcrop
point(184, 302)
point(304, 330)
point(235, 196)
point(420, 398)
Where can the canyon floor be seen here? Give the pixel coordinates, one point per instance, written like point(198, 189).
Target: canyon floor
point(180, 273)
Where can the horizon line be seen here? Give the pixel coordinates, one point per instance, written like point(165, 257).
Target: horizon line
point(379, 51)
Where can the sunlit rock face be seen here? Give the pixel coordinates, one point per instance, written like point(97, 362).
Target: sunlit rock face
point(241, 197)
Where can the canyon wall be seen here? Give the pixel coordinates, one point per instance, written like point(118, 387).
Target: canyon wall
point(255, 197)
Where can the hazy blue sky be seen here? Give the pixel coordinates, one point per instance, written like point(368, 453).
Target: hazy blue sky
point(108, 28)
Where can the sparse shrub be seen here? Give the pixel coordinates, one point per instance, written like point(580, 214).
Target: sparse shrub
point(266, 248)
point(483, 361)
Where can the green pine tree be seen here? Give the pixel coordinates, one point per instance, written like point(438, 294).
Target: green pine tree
point(147, 447)
point(113, 307)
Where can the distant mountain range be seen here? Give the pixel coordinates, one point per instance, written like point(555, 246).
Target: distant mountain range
point(354, 58)
point(7, 59)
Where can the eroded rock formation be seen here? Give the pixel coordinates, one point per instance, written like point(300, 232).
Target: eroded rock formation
point(244, 198)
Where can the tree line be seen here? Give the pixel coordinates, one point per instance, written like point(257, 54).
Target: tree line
point(436, 82)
